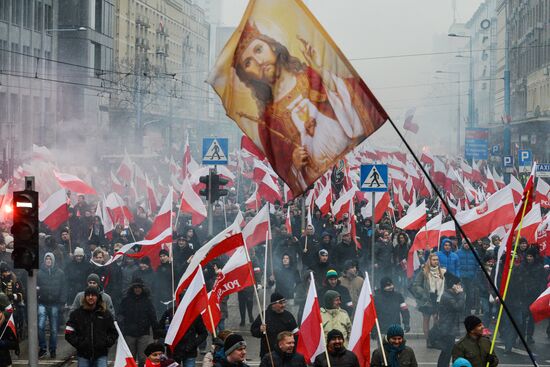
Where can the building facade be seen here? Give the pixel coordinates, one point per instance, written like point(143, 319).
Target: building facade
point(27, 94)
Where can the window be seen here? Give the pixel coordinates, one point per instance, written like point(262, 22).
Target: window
point(38, 16)
point(98, 15)
point(16, 12)
point(4, 15)
point(97, 57)
point(15, 57)
point(27, 60)
point(27, 13)
point(4, 55)
point(14, 104)
point(49, 17)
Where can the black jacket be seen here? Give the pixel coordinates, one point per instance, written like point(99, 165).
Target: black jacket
point(76, 274)
point(344, 358)
point(224, 363)
point(275, 323)
point(7, 343)
point(389, 309)
point(163, 284)
point(451, 308)
point(193, 337)
point(51, 286)
point(137, 314)
point(281, 359)
point(91, 332)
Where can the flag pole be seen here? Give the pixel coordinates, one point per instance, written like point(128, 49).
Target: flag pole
point(465, 237)
point(5, 327)
point(265, 266)
point(262, 312)
point(509, 275)
point(212, 321)
point(380, 340)
point(324, 342)
point(173, 281)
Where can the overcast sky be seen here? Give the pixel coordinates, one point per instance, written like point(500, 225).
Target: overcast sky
point(373, 28)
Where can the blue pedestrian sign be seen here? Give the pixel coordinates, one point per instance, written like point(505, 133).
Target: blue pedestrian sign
point(374, 178)
point(524, 158)
point(215, 150)
point(508, 161)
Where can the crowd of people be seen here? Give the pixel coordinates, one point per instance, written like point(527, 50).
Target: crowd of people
point(449, 289)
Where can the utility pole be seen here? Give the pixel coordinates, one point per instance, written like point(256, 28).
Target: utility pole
point(506, 134)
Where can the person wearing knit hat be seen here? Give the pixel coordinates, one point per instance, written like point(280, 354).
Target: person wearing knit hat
point(351, 280)
point(334, 317)
point(461, 362)
point(91, 322)
point(79, 251)
point(156, 356)
point(391, 307)
point(235, 351)
point(162, 281)
point(474, 346)
point(336, 350)
point(332, 283)
point(93, 281)
point(451, 309)
point(397, 353)
point(277, 319)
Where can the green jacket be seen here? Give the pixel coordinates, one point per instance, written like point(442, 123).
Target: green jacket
point(336, 319)
point(476, 351)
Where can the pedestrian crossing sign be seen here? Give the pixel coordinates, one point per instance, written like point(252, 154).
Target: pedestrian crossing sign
point(215, 150)
point(374, 178)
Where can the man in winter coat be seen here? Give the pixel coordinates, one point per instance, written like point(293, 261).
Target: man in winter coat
point(338, 354)
point(321, 267)
point(163, 282)
point(474, 347)
point(334, 317)
point(51, 298)
point(397, 353)
point(185, 352)
point(93, 281)
point(391, 306)
point(146, 273)
point(235, 352)
point(284, 355)
point(137, 319)
point(351, 281)
point(533, 284)
point(91, 330)
point(345, 250)
point(447, 258)
point(333, 284)
point(76, 271)
point(277, 319)
point(451, 307)
point(383, 255)
point(468, 269)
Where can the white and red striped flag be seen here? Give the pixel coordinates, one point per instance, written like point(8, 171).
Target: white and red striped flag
point(268, 189)
point(540, 309)
point(191, 203)
point(73, 183)
point(151, 197)
point(427, 237)
point(288, 222)
point(341, 206)
point(311, 337)
point(193, 303)
point(125, 170)
point(118, 211)
point(497, 211)
point(382, 203)
point(531, 223)
point(54, 211)
point(255, 230)
point(541, 194)
point(123, 356)
point(116, 186)
point(363, 322)
point(324, 200)
point(236, 275)
point(414, 219)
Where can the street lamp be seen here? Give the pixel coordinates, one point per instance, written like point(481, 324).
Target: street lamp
point(457, 73)
point(471, 100)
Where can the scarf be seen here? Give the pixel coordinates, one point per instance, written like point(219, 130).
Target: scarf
point(436, 281)
point(393, 354)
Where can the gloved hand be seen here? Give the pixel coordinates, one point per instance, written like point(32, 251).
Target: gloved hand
point(407, 328)
point(492, 359)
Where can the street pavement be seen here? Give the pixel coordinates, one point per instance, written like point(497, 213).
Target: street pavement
point(415, 339)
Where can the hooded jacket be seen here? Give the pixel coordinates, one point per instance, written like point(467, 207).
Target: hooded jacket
point(91, 331)
point(51, 284)
point(405, 357)
point(137, 314)
point(335, 318)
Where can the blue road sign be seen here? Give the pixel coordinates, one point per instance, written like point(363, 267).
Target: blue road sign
point(508, 161)
point(215, 150)
point(495, 149)
point(543, 170)
point(476, 143)
point(525, 158)
point(374, 178)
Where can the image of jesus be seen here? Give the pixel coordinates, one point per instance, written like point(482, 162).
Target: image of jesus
point(307, 115)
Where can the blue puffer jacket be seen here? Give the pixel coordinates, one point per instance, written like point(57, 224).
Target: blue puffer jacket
point(467, 263)
point(449, 261)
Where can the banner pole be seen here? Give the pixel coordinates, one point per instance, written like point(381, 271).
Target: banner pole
point(465, 237)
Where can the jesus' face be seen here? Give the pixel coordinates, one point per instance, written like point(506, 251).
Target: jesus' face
point(259, 62)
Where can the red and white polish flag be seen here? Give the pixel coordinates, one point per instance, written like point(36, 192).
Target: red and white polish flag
point(541, 193)
point(415, 219)
point(311, 337)
point(116, 186)
point(191, 203)
point(540, 309)
point(497, 211)
point(531, 222)
point(54, 211)
point(192, 304)
point(363, 322)
point(73, 183)
point(343, 203)
point(426, 238)
point(324, 200)
point(125, 170)
point(123, 356)
point(288, 222)
point(236, 275)
point(255, 230)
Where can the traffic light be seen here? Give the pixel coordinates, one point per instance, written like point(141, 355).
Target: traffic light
point(205, 192)
point(217, 191)
point(25, 230)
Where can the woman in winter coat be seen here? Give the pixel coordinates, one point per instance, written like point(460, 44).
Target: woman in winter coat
point(427, 289)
